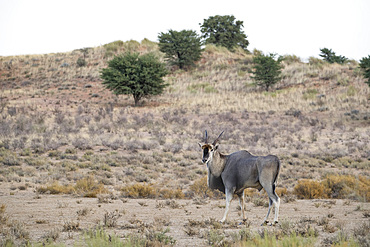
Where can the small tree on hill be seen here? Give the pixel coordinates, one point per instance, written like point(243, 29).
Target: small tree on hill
point(182, 48)
point(267, 70)
point(224, 31)
point(130, 73)
point(329, 56)
point(81, 62)
point(365, 65)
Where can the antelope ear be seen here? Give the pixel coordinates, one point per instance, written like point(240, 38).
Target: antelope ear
point(215, 148)
point(200, 145)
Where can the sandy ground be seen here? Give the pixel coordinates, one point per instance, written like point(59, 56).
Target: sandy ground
point(41, 214)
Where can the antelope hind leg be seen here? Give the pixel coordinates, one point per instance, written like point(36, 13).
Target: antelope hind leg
point(277, 206)
point(265, 221)
point(242, 205)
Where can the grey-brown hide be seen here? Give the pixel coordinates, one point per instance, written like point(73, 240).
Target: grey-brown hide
point(235, 172)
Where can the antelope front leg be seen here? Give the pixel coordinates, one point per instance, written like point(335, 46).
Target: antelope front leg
point(229, 197)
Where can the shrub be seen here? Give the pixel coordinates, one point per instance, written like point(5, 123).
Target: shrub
point(281, 191)
point(17, 230)
point(81, 143)
point(310, 94)
point(169, 194)
point(260, 202)
point(71, 226)
point(81, 62)
point(365, 66)
point(335, 186)
point(361, 233)
point(201, 87)
point(56, 188)
point(351, 91)
point(51, 235)
point(89, 187)
point(110, 218)
point(212, 49)
point(113, 46)
point(3, 217)
point(215, 237)
point(347, 186)
point(131, 45)
point(309, 189)
point(150, 45)
point(200, 188)
point(9, 159)
point(316, 62)
point(249, 192)
point(290, 59)
point(139, 190)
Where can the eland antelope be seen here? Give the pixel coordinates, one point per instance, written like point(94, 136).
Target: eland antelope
point(235, 172)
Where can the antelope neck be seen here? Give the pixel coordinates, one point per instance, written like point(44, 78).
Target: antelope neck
point(217, 164)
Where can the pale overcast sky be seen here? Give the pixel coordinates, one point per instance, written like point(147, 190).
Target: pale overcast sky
point(296, 27)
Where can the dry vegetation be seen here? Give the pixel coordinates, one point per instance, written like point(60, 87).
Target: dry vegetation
point(63, 134)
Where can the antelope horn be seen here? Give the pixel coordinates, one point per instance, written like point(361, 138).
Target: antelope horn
point(214, 143)
point(206, 137)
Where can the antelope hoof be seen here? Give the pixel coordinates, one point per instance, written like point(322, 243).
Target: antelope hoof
point(265, 223)
point(243, 222)
point(275, 223)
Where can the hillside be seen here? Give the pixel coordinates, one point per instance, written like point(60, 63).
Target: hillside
point(59, 126)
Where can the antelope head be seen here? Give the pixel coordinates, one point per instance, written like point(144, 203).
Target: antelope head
point(209, 149)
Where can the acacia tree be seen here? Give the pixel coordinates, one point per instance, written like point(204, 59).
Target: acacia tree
point(224, 31)
point(329, 56)
point(130, 73)
point(181, 48)
point(267, 70)
point(365, 66)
